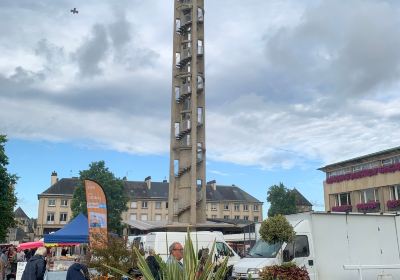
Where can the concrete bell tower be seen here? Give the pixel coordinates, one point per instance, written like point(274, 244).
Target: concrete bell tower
point(187, 191)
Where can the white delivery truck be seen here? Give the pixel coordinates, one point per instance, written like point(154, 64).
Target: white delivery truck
point(160, 242)
point(333, 246)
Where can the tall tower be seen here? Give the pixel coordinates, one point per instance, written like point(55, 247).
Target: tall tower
point(187, 192)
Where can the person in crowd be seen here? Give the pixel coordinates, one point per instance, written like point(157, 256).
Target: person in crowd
point(27, 254)
point(36, 266)
point(175, 254)
point(12, 261)
point(78, 271)
point(153, 264)
point(21, 256)
point(202, 256)
point(2, 268)
point(3, 264)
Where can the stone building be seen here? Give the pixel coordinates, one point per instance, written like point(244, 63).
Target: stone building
point(369, 183)
point(148, 201)
point(24, 230)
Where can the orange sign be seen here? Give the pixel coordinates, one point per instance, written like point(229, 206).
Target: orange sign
point(97, 213)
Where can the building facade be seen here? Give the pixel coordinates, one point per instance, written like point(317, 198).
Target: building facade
point(148, 201)
point(369, 183)
point(55, 204)
point(24, 230)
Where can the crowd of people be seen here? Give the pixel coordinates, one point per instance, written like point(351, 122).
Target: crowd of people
point(9, 258)
point(36, 263)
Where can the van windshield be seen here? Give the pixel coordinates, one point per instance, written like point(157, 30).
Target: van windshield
point(263, 249)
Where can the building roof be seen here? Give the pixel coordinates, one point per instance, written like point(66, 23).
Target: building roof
point(158, 190)
point(360, 158)
point(300, 199)
point(19, 213)
point(65, 186)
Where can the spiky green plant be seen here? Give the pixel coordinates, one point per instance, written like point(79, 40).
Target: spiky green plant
point(192, 267)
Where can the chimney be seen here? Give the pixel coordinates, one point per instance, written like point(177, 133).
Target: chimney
point(213, 184)
point(148, 182)
point(54, 178)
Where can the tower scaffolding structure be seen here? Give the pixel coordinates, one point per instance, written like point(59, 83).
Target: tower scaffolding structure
point(187, 191)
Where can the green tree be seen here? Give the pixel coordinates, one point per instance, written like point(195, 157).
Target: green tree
point(282, 200)
point(113, 189)
point(8, 199)
point(277, 229)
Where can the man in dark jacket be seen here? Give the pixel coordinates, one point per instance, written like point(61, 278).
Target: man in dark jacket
point(36, 266)
point(77, 271)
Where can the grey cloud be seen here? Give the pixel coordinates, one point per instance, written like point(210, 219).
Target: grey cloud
point(347, 50)
point(24, 76)
point(92, 52)
point(120, 32)
point(53, 54)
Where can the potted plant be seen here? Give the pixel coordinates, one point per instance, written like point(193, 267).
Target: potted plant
point(393, 204)
point(342, 208)
point(370, 206)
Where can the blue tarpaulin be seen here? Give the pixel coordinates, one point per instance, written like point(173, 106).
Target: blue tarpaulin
point(76, 231)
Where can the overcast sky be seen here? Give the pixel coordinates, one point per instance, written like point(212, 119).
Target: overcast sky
point(289, 84)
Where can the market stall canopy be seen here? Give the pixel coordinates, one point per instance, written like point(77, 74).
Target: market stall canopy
point(30, 245)
point(76, 231)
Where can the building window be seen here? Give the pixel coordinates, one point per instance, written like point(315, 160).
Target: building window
point(158, 204)
point(166, 205)
point(63, 217)
point(256, 219)
point(255, 207)
point(245, 207)
point(133, 217)
point(237, 207)
point(134, 204)
point(144, 217)
point(214, 207)
point(144, 204)
point(226, 206)
point(297, 249)
point(387, 162)
point(394, 192)
point(64, 202)
point(237, 217)
point(246, 218)
point(50, 218)
point(52, 202)
point(213, 216)
point(369, 195)
point(343, 199)
point(158, 217)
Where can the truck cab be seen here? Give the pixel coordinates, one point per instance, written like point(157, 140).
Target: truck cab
point(263, 254)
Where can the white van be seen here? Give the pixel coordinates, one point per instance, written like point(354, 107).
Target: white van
point(333, 246)
point(160, 242)
point(137, 240)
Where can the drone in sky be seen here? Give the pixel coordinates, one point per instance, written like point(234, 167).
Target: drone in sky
point(74, 11)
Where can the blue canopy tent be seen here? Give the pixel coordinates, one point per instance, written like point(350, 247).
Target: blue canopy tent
point(76, 231)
